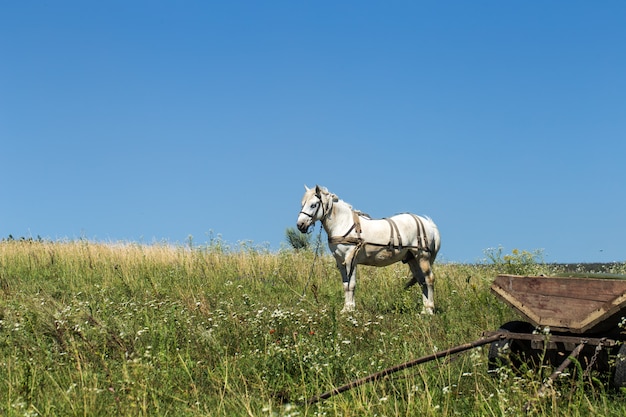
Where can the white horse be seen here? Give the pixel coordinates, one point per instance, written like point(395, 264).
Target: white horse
point(355, 238)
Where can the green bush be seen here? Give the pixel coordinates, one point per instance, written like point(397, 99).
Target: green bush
point(518, 262)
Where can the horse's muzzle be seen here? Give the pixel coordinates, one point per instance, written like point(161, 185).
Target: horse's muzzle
point(305, 220)
point(303, 227)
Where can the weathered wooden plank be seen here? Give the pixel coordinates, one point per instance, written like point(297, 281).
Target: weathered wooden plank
point(564, 303)
point(584, 288)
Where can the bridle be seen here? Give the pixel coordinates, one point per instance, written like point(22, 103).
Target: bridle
point(321, 204)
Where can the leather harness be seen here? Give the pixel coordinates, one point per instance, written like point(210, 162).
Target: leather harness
point(394, 231)
point(359, 242)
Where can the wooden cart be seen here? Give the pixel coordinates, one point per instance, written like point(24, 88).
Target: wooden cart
point(564, 318)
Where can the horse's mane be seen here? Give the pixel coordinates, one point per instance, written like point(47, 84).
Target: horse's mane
point(362, 214)
point(358, 212)
point(333, 196)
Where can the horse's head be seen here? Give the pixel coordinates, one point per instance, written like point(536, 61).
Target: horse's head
point(316, 205)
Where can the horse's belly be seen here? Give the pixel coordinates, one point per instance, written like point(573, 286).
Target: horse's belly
point(380, 256)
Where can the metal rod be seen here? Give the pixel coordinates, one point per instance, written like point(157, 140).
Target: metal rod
point(423, 359)
point(557, 338)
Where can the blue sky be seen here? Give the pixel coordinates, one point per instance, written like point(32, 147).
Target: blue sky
point(149, 121)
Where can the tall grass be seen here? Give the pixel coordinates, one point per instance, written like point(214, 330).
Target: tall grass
point(121, 329)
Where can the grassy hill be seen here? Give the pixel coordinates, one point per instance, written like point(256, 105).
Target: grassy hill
point(123, 329)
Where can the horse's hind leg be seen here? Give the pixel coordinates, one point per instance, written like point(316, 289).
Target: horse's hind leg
point(416, 275)
point(423, 273)
point(428, 291)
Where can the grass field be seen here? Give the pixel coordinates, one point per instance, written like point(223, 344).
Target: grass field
point(91, 329)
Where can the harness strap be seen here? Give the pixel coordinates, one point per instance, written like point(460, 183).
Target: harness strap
point(393, 226)
point(336, 240)
point(356, 226)
point(422, 239)
point(350, 240)
point(421, 233)
point(357, 223)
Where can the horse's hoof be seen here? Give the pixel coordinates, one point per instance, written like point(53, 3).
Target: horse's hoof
point(347, 309)
point(428, 311)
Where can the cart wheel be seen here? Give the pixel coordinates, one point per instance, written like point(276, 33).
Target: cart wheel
point(620, 368)
point(511, 352)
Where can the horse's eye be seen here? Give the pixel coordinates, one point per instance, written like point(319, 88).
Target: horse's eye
point(313, 205)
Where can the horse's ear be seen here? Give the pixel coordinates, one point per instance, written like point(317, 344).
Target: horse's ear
point(306, 188)
point(318, 189)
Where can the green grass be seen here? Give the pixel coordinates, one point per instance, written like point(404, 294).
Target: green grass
point(92, 329)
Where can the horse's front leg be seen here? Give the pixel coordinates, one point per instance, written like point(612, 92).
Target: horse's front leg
point(349, 284)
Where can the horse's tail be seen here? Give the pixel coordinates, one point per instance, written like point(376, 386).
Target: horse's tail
point(434, 238)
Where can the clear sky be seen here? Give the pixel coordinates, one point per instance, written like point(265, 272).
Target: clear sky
point(149, 121)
